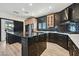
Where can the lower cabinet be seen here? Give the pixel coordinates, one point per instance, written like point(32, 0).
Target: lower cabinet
point(62, 40)
point(59, 39)
point(42, 43)
point(70, 47)
point(73, 50)
point(11, 38)
point(34, 46)
point(51, 38)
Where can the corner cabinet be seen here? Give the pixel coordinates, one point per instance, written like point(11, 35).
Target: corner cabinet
point(62, 40)
point(59, 39)
point(73, 49)
point(50, 21)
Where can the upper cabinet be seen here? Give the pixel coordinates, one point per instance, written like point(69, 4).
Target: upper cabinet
point(64, 15)
point(18, 26)
point(75, 11)
point(50, 21)
point(57, 18)
point(45, 22)
point(42, 23)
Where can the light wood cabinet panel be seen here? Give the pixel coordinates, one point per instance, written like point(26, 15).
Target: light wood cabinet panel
point(50, 20)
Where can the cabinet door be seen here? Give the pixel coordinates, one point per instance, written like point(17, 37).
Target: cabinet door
point(52, 38)
point(42, 43)
point(70, 47)
point(41, 23)
point(33, 46)
point(75, 11)
point(18, 26)
point(45, 41)
point(75, 50)
point(57, 18)
point(50, 20)
point(62, 40)
point(13, 38)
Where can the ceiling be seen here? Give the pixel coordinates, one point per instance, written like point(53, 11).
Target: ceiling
point(22, 11)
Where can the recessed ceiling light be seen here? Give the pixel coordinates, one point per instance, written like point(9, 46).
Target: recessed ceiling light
point(30, 4)
point(23, 9)
point(40, 11)
point(50, 7)
point(16, 12)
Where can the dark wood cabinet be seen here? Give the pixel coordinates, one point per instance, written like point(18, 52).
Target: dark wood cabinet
point(59, 39)
point(30, 46)
point(73, 49)
point(75, 11)
point(62, 40)
point(42, 43)
point(34, 45)
point(11, 38)
point(0, 29)
point(51, 38)
point(42, 23)
point(70, 47)
point(18, 26)
point(57, 18)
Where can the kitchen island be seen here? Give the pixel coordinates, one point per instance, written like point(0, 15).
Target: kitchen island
point(34, 45)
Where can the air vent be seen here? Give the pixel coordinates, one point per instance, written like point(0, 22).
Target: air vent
point(26, 12)
point(16, 12)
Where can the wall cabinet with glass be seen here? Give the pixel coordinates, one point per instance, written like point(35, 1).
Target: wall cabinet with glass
point(41, 23)
point(9, 26)
point(50, 21)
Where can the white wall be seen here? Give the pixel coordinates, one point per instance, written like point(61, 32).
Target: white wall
point(3, 33)
point(12, 17)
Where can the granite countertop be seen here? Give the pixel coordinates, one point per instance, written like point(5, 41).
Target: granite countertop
point(75, 39)
point(36, 34)
point(53, 32)
point(16, 33)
